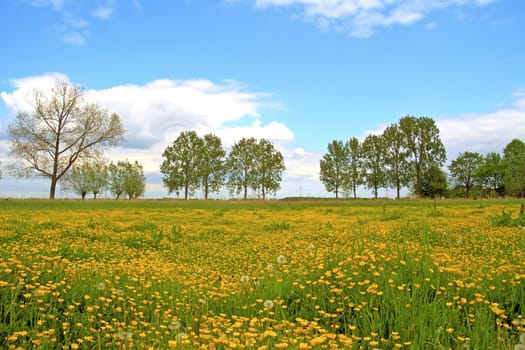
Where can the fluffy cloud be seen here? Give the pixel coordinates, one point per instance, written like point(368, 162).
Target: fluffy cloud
point(483, 133)
point(363, 17)
point(155, 113)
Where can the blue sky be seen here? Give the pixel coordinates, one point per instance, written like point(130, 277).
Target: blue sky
point(299, 72)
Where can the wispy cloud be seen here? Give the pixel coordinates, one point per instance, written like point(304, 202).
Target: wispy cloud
point(363, 17)
point(102, 12)
point(75, 19)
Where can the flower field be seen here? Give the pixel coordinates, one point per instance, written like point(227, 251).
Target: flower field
point(261, 275)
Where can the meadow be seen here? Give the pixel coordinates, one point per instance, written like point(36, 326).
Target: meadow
point(296, 274)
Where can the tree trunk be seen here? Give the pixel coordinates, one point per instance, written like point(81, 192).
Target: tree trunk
point(53, 187)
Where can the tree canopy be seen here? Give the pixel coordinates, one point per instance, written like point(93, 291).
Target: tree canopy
point(62, 129)
point(256, 165)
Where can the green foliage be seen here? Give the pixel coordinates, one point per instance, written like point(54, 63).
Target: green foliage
point(87, 177)
point(506, 219)
point(464, 169)
point(334, 167)
point(373, 152)
point(127, 178)
point(514, 165)
point(424, 146)
point(256, 165)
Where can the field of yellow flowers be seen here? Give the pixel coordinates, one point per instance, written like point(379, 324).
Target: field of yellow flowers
point(261, 275)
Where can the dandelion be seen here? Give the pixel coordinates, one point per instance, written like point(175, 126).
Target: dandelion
point(174, 325)
point(269, 267)
point(268, 304)
point(281, 259)
point(123, 336)
point(101, 286)
point(245, 279)
point(181, 336)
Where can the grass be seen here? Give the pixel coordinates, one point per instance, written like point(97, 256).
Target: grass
point(297, 274)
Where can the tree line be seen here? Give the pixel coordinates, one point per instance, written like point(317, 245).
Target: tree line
point(192, 163)
point(410, 154)
point(65, 136)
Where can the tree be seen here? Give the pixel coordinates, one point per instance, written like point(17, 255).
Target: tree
point(434, 183)
point(334, 167)
point(182, 164)
point(256, 165)
point(86, 177)
point(424, 146)
point(464, 169)
point(62, 129)
point(213, 168)
point(374, 162)
point(269, 169)
point(396, 155)
point(514, 165)
point(127, 178)
point(354, 163)
point(241, 166)
point(77, 180)
point(490, 173)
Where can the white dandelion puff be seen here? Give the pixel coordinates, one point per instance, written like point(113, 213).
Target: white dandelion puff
point(268, 304)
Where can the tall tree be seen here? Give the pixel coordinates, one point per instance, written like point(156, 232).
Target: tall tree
point(269, 168)
point(396, 155)
point(241, 165)
point(421, 138)
point(490, 173)
point(62, 129)
point(334, 167)
point(213, 167)
point(354, 163)
point(514, 165)
point(182, 164)
point(127, 178)
point(374, 162)
point(464, 169)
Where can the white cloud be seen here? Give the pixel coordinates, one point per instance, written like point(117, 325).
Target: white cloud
point(102, 12)
point(155, 113)
point(364, 17)
point(75, 38)
point(57, 5)
point(483, 133)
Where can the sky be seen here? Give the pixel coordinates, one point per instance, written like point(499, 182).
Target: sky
point(300, 73)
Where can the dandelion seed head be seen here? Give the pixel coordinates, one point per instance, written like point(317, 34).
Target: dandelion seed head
point(245, 279)
point(174, 325)
point(268, 304)
point(181, 336)
point(125, 335)
point(101, 286)
point(281, 259)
